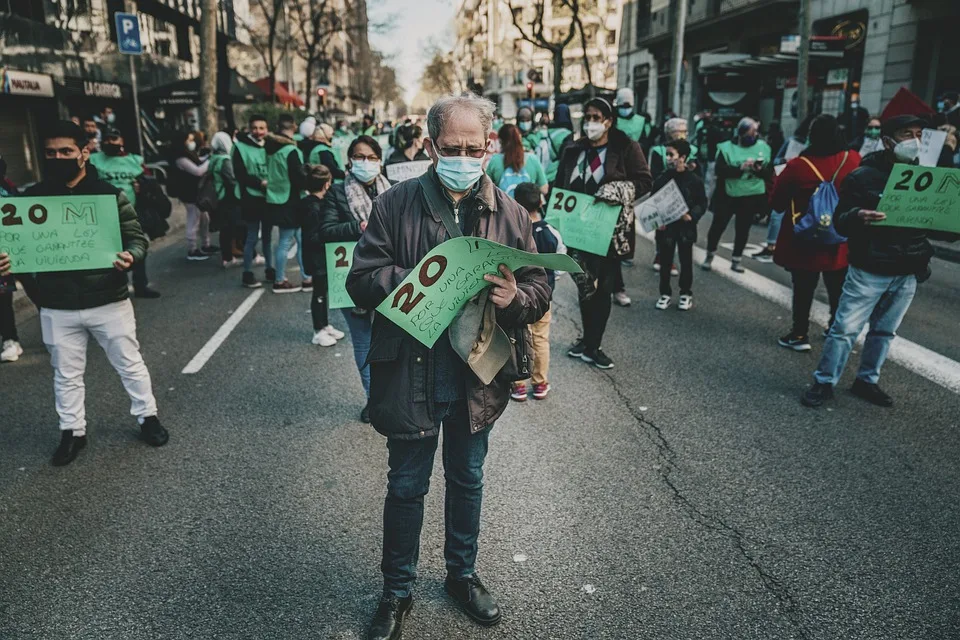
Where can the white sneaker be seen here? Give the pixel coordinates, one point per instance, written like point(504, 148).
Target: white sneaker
point(11, 351)
point(333, 331)
point(622, 299)
point(686, 303)
point(674, 271)
point(323, 339)
point(233, 262)
point(259, 261)
point(663, 302)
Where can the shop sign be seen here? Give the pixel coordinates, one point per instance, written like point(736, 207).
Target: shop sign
point(838, 76)
point(102, 89)
point(22, 83)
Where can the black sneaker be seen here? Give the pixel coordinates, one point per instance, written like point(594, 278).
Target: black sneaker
point(210, 249)
point(307, 285)
point(871, 393)
point(597, 358)
point(285, 287)
point(270, 275)
point(816, 395)
point(795, 342)
point(365, 414)
point(387, 623)
point(250, 280)
point(197, 255)
point(147, 293)
point(70, 447)
point(765, 255)
point(153, 432)
point(576, 351)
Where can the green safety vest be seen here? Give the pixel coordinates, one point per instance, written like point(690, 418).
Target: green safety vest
point(532, 140)
point(370, 131)
point(317, 150)
point(278, 178)
point(661, 150)
point(735, 155)
point(635, 126)
point(255, 162)
point(556, 137)
point(119, 171)
point(216, 162)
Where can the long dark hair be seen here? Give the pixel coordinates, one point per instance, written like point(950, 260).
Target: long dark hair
point(825, 138)
point(511, 144)
point(180, 146)
point(407, 134)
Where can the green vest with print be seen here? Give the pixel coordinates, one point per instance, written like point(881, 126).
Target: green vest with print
point(255, 162)
point(216, 164)
point(556, 138)
point(119, 171)
point(747, 184)
point(278, 178)
point(661, 150)
point(532, 139)
point(320, 148)
point(635, 126)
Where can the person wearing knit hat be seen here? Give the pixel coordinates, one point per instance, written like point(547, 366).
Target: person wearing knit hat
point(628, 120)
point(322, 152)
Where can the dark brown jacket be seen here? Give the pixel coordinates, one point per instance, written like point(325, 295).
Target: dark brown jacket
point(400, 232)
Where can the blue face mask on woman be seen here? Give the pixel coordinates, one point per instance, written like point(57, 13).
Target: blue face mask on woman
point(459, 173)
point(625, 112)
point(365, 170)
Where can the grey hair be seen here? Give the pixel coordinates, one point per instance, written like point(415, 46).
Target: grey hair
point(746, 123)
point(674, 124)
point(446, 106)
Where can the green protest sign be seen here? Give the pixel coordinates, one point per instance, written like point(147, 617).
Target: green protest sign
point(339, 259)
point(922, 198)
point(428, 299)
point(584, 222)
point(341, 144)
point(60, 233)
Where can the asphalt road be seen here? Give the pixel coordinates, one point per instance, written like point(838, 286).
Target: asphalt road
point(685, 494)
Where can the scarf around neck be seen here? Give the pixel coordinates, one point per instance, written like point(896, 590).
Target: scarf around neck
point(358, 199)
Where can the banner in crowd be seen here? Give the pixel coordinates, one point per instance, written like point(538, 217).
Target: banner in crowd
point(340, 145)
point(931, 145)
point(339, 259)
point(60, 233)
point(584, 222)
point(661, 208)
point(405, 170)
point(428, 299)
point(922, 198)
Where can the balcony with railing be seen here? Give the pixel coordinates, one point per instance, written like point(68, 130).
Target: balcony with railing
point(18, 33)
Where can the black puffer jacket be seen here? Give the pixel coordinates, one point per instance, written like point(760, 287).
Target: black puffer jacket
point(888, 251)
point(694, 194)
point(309, 213)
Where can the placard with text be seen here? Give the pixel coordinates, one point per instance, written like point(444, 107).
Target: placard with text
point(584, 222)
point(400, 171)
point(339, 258)
point(922, 198)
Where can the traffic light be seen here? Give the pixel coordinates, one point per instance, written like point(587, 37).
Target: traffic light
point(530, 90)
point(322, 95)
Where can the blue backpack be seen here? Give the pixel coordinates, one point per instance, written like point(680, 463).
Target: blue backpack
point(816, 225)
point(510, 179)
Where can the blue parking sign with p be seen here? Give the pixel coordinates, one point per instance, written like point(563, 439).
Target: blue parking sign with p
point(128, 33)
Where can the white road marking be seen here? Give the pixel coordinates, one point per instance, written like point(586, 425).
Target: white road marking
point(918, 359)
point(222, 334)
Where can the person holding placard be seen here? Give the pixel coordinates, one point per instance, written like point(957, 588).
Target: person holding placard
point(512, 167)
point(604, 162)
point(744, 169)
point(886, 264)
point(78, 304)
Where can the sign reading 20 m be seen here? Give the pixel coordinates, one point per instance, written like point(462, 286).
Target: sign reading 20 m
point(60, 233)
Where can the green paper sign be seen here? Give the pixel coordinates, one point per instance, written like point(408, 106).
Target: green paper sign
point(60, 233)
point(339, 259)
point(922, 198)
point(428, 299)
point(340, 145)
point(584, 222)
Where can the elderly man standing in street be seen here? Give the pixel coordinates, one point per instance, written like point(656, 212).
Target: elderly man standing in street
point(415, 390)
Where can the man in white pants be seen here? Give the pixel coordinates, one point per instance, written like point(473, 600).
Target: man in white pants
point(78, 304)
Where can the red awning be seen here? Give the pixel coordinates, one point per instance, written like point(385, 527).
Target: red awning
point(280, 91)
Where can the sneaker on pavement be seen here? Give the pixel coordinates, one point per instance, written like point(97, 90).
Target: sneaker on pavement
point(816, 395)
point(519, 392)
point(147, 292)
point(270, 274)
point(197, 255)
point(576, 351)
point(540, 391)
point(707, 262)
point(323, 339)
point(871, 393)
point(70, 447)
point(307, 285)
point(250, 281)
point(622, 299)
point(663, 302)
point(11, 351)
point(285, 287)
point(686, 303)
point(795, 342)
point(597, 358)
point(232, 262)
point(765, 255)
point(736, 266)
point(333, 331)
point(674, 271)
point(153, 432)
point(210, 249)
point(259, 261)
point(656, 265)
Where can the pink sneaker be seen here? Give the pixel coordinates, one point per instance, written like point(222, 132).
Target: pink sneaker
point(519, 392)
point(540, 391)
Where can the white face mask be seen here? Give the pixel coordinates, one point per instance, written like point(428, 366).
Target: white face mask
point(191, 146)
point(907, 150)
point(594, 130)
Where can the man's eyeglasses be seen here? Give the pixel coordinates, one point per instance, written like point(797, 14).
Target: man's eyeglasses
point(472, 152)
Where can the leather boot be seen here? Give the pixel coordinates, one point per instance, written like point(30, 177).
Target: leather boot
point(475, 599)
point(387, 622)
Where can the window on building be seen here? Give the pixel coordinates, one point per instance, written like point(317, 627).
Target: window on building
point(183, 43)
point(643, 19)
point(114, 6)
point(612, 37)
point(25, 9)
point(162, 48)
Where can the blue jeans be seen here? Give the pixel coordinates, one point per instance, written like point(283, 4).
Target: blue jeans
point(250, 246)
point(408, 480)
point(773, 227)
point(361, 327)
point(880, 300)
point(287, 236)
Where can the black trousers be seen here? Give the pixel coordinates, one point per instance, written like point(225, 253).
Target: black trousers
point(666, 247)
point(743, 209)
point(319, 310)
point(139, 275)
point(804, 287)
point(595, 312)
point(8, 323)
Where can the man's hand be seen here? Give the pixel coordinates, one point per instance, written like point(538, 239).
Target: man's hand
point(663, 227)
point(504, 289)
point(363, 226)
point(687, 217)
point(136, 186)
point(869, 216)
point(746, 166)
point(263, 184)
point(123, 262)
point(4, 264)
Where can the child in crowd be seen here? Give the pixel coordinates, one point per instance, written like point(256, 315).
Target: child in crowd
point(680, 236)
point(317, 181)
point(548, 240)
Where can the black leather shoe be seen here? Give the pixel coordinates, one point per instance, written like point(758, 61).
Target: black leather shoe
point(871, 393)
point(816, 395)
point(150, 294)
point(153, 432)
point(365, 414)
point(388, 620)
point(70, 447)
point(475, 599)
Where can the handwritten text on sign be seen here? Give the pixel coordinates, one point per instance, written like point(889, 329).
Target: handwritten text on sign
point(400, 171)
point(922, 198)
point(60, 233)
point(339, 259)
point(661, 208)
point(428, 299)
point(584, 222)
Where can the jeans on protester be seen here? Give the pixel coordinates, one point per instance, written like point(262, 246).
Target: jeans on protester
point(198, 227)
point(408, 481)
point(804, 288)
point(287, 235)
point(881, 301)
point(361, 329)
point(773, 227)
point(249, 249)
point(66, 333)
point(685, 254)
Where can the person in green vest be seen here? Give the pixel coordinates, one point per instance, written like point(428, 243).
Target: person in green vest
point(629, 121)
point(744, 172)
point(531, 134)
point(559, 136)
point(369, 127)
point(321, 152)
point(116, 166)
point(228, 205)
point(284, 190)
point(673, 129)
point(250, 168)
